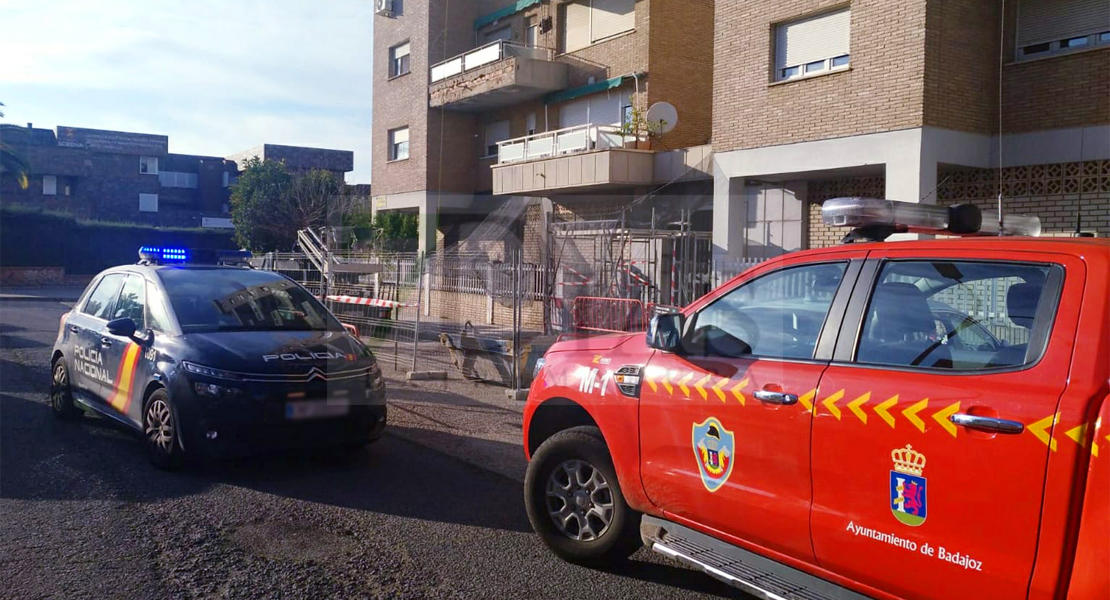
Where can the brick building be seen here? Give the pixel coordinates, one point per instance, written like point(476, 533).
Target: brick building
point(475, 102)
point(122, 176)
point(921, 100)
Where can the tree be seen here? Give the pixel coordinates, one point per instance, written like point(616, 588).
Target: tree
point(269, 204)
point(10, 162)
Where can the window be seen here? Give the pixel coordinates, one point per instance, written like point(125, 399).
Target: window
point(132, 301)
point(399, 143)
point(399, 60)
point(497, 131)
point(158, 316)
point(812, 45)
point(225, 179)
point(148, 165)
point(530, 124)
point(148, 202)
point(531, 32)
point(100, 301)
point(588, 21)
point(502, 33)
point(49, 185)
point(174, 179)
point(1051, 26)
point(958, 315)
point(606, 108)
point(779, 315)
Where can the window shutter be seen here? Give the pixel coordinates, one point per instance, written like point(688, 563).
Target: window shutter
point(402, 50)
point(576, 25)
point(605, 108)
point(497, 131)
point(574, 113)
point(812, 39)
point(504, 33)
point(49, 185)
point(610, 17)
point(400, 135)
point(1051, 20)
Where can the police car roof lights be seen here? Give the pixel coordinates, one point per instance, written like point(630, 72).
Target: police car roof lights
point(163, 255)
point(875, 219)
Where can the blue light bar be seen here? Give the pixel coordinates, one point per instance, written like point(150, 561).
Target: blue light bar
point(164, 254)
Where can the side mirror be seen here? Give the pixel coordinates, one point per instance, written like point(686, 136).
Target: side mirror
point(123, 327)
point(665, 332)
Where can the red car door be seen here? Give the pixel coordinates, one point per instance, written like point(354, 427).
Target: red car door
point(930, 449)
point(725, 423)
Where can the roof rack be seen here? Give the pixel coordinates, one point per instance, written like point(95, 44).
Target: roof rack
point(875, 219)
point(163, 255)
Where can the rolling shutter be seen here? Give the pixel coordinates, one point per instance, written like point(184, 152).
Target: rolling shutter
point(576, 25)
point(574, 113)
point(1051, 20)
point(816, 38)
point(498, 131)
point(611, 17)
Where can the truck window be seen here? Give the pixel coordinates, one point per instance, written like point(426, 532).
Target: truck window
point(778, 315)
point(956, 315)
point(158, 316)
point(100, 301)
point(132, 301)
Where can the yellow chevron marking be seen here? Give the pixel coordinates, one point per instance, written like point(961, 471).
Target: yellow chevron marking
point(855, 405)
point(717, 389)
point(1040, 430)
point(736, 391)
point(830, 403)
point(1078, 435)
point(882, 408)
point(807, 399)
point(682, 384)
point(941, 416)
point(911, 414)
point(651, 380)
point(700, 386)
point(667, 382)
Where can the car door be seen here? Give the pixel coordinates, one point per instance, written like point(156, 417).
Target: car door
point(725, 425)
point(92, 374)
point(929, 465)
point(124, 353)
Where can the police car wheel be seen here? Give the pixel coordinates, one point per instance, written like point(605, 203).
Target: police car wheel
point(61, 396)
point(574, 500)
point(161, 432)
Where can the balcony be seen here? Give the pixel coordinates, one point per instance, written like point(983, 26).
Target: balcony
point(572, 159)
point(493, 76)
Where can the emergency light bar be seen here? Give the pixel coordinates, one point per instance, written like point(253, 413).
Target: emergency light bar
point(875, 219)
point(162, 255)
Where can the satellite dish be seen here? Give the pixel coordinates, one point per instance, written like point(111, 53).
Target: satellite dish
point(663, 113)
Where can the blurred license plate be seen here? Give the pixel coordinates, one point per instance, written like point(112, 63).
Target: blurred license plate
point(316, 409)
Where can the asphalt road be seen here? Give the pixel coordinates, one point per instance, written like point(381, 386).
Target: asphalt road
point(82, 515)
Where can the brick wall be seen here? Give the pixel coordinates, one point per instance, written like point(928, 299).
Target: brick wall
point(681, 68)
point(964, 33)
point(882, 91)
point(821, 235)
point(1062, 91)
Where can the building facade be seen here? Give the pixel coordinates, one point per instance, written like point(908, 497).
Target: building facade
point(132, 177)
point(923, 101)
point(476, 102)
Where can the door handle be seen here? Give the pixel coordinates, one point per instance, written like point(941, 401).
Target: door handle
point(74, 329)
point(775, 397)
point(989, 424)
point(107, 343)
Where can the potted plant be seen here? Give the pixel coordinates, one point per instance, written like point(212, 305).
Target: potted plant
point(640, 130)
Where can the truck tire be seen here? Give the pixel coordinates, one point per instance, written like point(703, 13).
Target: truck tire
point(61, 395)
point(574, 500)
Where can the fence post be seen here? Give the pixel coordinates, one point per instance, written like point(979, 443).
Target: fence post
point(419, 295)
point(518, 313)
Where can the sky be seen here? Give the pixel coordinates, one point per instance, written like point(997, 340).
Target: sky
point(217, 77)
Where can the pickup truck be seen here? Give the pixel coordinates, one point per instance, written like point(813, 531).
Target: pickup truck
point(914, 419)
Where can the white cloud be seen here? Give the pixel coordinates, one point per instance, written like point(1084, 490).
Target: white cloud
point(217, 77)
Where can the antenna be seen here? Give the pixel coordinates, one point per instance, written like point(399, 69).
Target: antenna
point(1001, 59)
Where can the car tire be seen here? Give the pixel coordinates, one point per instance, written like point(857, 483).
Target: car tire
point(161, 432)
point(61, 394)
point(582, 504)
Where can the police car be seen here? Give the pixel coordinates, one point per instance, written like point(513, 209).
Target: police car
point(203, 355)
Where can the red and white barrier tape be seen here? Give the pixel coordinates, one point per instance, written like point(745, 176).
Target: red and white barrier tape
point(367, 301)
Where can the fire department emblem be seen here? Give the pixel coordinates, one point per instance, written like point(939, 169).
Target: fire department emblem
point(907, 486)
point(713, 446)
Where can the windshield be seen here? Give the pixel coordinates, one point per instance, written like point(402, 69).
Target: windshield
point(207, 300)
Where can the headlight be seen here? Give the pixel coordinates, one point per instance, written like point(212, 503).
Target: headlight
point(209, 371)
point(375, 379)
point(212, 390)
point(539, 365)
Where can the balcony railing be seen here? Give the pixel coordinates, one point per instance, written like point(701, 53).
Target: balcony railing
point(580, 138)
point(484, 55)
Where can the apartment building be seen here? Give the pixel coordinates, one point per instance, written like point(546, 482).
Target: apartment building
point(935, 101)
point(125, 176)
point(478, 101)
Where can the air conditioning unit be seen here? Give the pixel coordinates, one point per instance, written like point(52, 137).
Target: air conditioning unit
point(384, 7)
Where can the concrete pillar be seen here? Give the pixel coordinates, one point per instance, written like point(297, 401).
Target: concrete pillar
point(426, 223)
point(912, 178)
point(729, 218)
